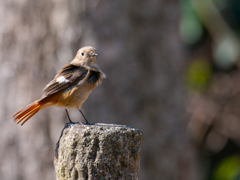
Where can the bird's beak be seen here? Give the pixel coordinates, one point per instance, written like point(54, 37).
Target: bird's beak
point(94, 54)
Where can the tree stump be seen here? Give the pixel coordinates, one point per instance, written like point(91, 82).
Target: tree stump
point(99, 151)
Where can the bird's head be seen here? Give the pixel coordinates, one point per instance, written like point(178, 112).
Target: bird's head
point(86, 56)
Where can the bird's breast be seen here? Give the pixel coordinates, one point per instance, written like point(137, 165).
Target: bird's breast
point(74, 96)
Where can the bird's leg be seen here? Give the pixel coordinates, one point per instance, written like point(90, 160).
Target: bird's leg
point(87, 122)
point(68, 117)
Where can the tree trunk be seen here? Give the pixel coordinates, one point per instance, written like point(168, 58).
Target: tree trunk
point(139, 51)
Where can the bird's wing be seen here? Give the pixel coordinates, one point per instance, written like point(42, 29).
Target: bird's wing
point(70, 75)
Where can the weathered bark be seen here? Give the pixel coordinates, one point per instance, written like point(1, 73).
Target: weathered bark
point(140, 52)
point(100, 151)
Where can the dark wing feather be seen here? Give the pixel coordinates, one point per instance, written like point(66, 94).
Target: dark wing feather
point(72, 73)
point(93, 77)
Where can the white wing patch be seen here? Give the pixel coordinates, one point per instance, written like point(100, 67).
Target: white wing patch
point(103, 75)
point(79, 82)
point(62, 79)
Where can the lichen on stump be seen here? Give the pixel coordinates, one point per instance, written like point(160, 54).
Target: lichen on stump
point(100, 151)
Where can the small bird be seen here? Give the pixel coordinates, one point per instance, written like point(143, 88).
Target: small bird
point(69, 88)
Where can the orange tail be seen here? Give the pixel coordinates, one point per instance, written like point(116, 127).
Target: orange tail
point(25, 114)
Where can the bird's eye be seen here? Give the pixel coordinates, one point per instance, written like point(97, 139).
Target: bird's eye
point(82, 54)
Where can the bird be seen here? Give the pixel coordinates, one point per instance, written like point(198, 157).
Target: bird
point(70, 87)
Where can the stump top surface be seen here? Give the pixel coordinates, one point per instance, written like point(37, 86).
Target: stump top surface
point(100, 128)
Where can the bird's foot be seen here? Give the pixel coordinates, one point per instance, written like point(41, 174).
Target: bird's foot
point(87, 123)
point(72, 123)
point(80, 123)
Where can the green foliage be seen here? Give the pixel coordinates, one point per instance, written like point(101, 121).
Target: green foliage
point(198, 75)
point(191, 29)
point(228, 169)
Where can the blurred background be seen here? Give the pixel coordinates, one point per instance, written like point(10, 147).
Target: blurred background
point(172, 71)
